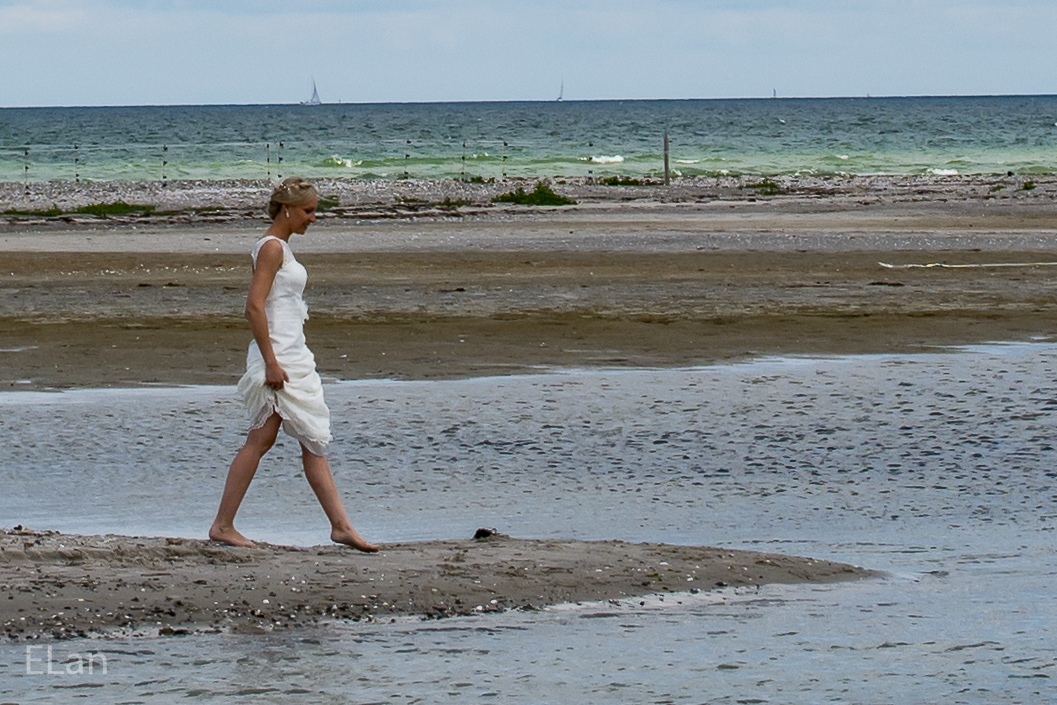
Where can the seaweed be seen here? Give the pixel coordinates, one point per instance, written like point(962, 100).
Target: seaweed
point(115, 208)
point(766, 188)
point(325, 203)
point(542, 195)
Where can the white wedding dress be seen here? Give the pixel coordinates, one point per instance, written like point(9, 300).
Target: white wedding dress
point(300, 402)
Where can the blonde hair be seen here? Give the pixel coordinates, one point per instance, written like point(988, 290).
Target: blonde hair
point(291, 192)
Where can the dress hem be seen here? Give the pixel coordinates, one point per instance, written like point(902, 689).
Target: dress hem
point(313, 446)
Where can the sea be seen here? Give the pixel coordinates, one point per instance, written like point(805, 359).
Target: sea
point(937, 468)
point(914, 135)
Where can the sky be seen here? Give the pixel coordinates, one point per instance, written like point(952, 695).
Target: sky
point(150, 52)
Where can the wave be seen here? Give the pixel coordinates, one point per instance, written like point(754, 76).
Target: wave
point(335, 161)
point(893, 136)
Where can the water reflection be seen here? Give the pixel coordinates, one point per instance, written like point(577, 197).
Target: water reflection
point(935, 467)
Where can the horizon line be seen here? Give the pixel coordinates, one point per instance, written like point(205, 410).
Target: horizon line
point(530, 100)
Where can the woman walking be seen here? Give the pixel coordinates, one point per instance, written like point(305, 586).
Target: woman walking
point(281, 387)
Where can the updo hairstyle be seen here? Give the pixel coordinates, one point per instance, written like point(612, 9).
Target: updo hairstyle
point(291, 192)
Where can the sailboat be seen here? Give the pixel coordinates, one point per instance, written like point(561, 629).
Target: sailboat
point(561, 93)
point(314, 100)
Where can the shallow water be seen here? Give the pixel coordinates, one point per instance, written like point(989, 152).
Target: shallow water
point(937, 468)
point(920, 135)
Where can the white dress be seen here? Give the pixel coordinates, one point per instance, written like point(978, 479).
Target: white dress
point(300, 401)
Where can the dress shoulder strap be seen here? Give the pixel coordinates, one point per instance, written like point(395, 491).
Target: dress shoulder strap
point(266, 238)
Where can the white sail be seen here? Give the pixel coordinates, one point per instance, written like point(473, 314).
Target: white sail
point(314, 100)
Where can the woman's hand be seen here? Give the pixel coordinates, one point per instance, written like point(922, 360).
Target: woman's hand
point(275, 376)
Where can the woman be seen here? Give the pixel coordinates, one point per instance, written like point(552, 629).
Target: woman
point(281, 386)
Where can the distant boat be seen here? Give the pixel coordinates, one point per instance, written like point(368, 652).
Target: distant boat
point(314, 100)
point(561, 93)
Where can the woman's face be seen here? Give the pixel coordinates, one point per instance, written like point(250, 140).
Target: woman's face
point(301, 216)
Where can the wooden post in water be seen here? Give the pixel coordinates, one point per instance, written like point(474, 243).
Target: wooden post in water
point(76, 165)
point(279, 162)
point(268, 159)
point(667, 178)
point(25, 166)
point(164, 163)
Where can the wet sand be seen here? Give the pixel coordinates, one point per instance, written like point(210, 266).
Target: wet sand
point(63, 586)
point(409, 290)
point(705, 271)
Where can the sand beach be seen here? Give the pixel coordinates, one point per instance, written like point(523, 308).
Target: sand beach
point(610, 384)
point(405, 287)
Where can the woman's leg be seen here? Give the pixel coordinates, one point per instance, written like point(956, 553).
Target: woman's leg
point(317, 470)
point(241, 472)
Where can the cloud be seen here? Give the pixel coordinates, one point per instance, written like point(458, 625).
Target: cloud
point(41, 17)
point(192, 51)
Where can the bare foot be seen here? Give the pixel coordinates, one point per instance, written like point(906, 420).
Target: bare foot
point(229, 536)
point(350, 537)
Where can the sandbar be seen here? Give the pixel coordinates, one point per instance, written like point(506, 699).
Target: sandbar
point(66, 586)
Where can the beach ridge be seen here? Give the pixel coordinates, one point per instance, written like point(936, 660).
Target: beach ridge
point(91, 204)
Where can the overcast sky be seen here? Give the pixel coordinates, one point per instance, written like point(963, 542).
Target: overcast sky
point(135, 52)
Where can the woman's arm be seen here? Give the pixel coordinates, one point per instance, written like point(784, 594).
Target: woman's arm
point(269, 260)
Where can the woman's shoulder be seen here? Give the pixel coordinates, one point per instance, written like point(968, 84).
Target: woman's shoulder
point(272, 247)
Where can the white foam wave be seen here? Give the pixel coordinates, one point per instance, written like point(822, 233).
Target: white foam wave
point(336, 160)
point(615, 159)
point(687, 161)
point(943, 172)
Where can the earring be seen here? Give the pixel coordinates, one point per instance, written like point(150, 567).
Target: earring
point(287, 214)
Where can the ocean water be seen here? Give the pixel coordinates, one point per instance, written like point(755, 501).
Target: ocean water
point(969, 135)
point(937, 468)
